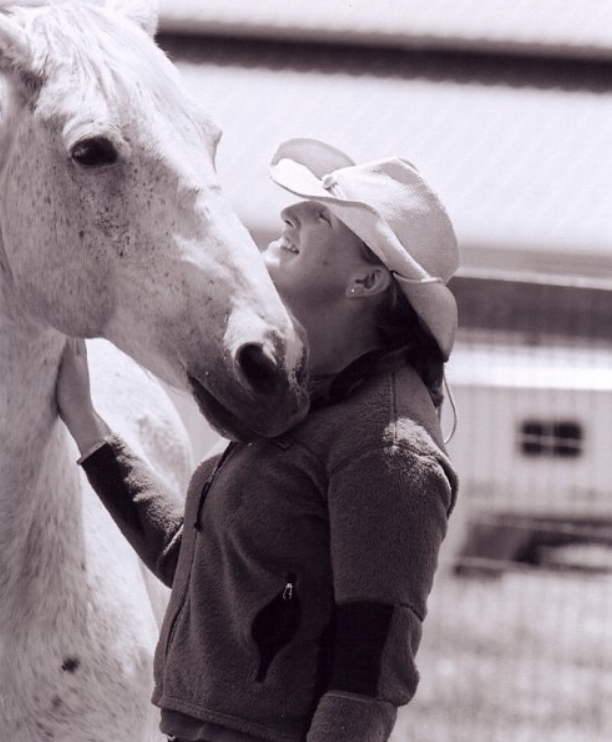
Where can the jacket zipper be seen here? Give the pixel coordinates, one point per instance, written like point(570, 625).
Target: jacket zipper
point(172, 631)
point(177, 615)
point(203, 492)
point(208, 484)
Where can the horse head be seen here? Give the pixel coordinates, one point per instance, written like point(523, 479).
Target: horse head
point(113, 223)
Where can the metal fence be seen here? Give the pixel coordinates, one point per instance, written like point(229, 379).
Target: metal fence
point(518, 642)
point(533, 384)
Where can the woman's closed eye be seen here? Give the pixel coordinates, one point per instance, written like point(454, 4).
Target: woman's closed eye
point(324, 216)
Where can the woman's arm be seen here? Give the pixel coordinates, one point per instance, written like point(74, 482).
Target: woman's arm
point(388, 513)
point(149, 516)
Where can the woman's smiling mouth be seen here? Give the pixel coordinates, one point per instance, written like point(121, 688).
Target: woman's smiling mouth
point(285, 244)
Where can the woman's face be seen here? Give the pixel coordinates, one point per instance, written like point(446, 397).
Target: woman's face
point(315, 260)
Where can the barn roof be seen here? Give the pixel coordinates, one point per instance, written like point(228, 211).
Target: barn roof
point(579, 28)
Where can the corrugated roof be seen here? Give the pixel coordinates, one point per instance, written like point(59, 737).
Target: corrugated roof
point(549, 27)
point(524, 164)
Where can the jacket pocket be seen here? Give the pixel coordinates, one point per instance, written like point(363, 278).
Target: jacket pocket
point(276, 624)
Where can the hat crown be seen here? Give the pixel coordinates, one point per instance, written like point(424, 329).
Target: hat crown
point(395, 190)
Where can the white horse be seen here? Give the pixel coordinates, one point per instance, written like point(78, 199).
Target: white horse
point(112, 225)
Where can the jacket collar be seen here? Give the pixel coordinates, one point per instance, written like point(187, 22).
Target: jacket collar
point(331, 389)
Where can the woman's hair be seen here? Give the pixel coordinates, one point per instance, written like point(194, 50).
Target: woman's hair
point(400, 328)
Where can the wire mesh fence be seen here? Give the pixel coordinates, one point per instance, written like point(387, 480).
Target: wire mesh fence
point(518, 642)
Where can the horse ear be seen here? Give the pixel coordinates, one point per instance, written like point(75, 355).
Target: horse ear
point(15, 49)
point(144, 13)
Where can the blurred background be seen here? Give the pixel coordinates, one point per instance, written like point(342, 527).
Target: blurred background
point(506, 108)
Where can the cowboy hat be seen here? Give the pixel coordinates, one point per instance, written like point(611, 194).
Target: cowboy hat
point(387, 204)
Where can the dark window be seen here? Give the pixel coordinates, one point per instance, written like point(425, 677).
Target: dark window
point(568, 439)
point(551, 438)
point(533, 437)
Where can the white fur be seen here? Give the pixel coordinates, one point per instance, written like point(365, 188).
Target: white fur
point(148, 254)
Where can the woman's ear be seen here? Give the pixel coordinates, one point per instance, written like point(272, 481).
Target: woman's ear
point(370, 281)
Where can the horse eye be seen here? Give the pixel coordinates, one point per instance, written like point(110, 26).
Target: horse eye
point(94, 152)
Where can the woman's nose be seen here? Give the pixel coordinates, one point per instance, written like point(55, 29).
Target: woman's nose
point(288, 216)
point(296, 214)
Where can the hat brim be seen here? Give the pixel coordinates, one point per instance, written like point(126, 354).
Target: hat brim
point(428, 295)
point(319, 158)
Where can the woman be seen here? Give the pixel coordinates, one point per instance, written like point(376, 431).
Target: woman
point(300, 566)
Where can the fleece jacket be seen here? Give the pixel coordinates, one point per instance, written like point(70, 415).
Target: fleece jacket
point(300, 566)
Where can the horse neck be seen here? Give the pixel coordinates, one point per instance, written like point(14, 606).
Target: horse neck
point(40, 529)
point(29, 354)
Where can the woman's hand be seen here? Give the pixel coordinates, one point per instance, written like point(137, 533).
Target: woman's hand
point(73, 396)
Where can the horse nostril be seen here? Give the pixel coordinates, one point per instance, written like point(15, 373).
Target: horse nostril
point(258, 369)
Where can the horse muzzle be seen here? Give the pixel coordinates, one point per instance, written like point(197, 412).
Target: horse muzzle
point(258, 397)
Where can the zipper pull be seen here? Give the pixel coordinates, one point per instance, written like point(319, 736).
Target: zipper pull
point(289, 587)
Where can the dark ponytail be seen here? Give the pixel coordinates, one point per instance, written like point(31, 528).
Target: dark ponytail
point(400, 328)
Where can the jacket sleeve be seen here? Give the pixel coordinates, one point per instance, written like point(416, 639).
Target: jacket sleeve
point(148, 514)
point(388, 514)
